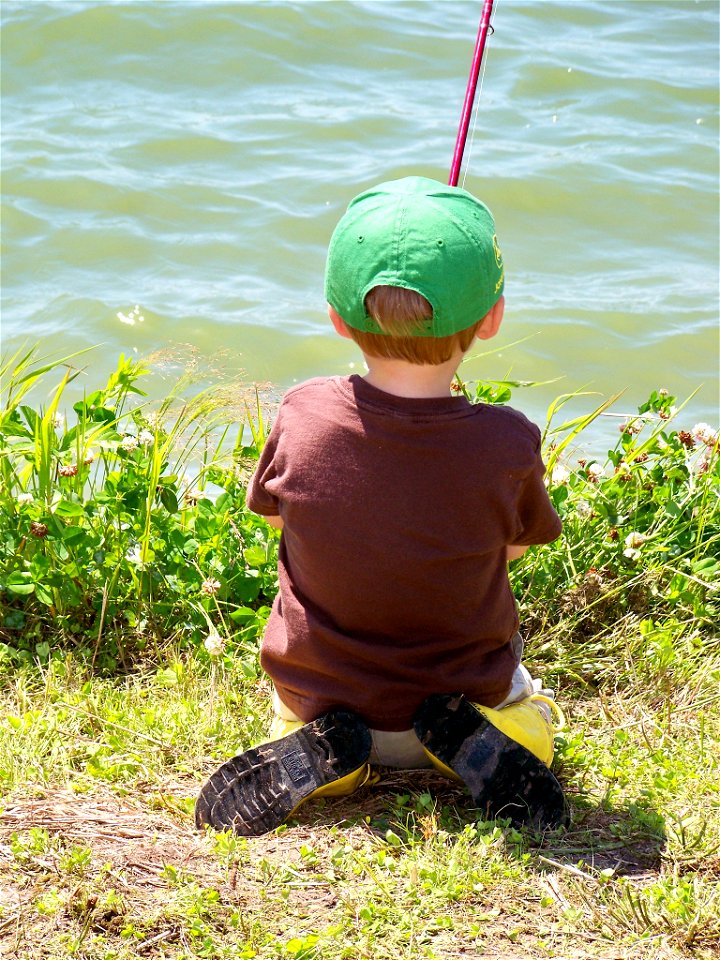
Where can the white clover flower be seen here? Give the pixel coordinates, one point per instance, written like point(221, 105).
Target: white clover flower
point(635, 539)
point(129, 443)
point(59, 421)
point(89, 457)
point(214, 644)
point(632, 426)
point(134, 555)
point(703, 461)
point(632, 553)
point(704, 433)
point(210, 586)
point(560, 474)
point(595, 471)
point(583, 508)
point(146, 438)
point(663, 392)
point(24, 497)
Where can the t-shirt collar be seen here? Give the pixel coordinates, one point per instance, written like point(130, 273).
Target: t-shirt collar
point(367, 395)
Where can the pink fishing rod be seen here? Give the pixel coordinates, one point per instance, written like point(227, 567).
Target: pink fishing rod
point(470, 92)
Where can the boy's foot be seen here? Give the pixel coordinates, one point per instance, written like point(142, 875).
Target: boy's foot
point(504, 778)
point(258, 790)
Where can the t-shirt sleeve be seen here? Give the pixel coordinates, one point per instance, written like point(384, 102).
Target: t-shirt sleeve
point(259, 499)
point(538, 520)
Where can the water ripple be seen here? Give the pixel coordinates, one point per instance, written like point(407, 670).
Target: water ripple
point(194, 157)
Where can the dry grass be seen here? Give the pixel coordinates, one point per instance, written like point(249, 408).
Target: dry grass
point(144, 848)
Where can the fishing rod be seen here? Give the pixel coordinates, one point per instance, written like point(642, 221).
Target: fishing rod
point(470, 92)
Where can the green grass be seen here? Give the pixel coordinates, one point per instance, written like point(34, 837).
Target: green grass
point(128, 672)
point(100, 858)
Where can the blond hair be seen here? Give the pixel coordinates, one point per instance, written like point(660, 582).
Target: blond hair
point(398, 312)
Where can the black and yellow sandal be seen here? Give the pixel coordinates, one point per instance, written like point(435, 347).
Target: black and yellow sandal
point(257, 791)
point(504, 778)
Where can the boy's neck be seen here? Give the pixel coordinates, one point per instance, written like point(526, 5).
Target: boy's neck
point(412, 380)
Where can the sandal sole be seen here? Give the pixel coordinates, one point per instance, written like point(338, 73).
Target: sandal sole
point(504, 778)
point(258, 790)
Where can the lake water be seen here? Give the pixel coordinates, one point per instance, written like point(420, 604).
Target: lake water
point(193, 158)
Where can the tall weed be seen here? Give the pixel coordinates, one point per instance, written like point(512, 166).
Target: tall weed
point(127, 528)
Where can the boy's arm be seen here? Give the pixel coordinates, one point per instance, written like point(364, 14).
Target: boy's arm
point(513, 552)
point(538, 520)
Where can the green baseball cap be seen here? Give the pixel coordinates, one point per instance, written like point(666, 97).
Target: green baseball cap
point(419, 234)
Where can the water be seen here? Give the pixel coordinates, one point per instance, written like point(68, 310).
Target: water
point(193, 158)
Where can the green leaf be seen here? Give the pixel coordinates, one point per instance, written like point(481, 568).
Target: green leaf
point(706, 567)
point(20, 582)
point(393, 839)
point(168, 499)
point(31, 417)
point(243, 615)
point(36, 372)
point(73, 534)
point(249, 669)
point(43, 594)
point(245, 589)
point(166, 678)
point(14, 620)
point(68, 508)
point(255, 556)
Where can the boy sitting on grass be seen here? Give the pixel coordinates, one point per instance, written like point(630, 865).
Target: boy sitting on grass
point(394, 637)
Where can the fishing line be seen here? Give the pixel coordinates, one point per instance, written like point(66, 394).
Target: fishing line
point(477, 103)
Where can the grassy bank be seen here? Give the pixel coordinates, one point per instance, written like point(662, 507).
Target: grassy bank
point(134, 589)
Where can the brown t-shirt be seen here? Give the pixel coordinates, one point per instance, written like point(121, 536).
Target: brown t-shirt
point(392, 568)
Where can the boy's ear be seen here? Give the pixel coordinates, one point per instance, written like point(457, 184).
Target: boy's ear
point(491, 321)
point(338, 323)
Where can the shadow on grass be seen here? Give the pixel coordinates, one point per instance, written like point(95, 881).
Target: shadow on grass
point(416, 804)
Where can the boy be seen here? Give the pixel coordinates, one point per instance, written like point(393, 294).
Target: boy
point(393, 639)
